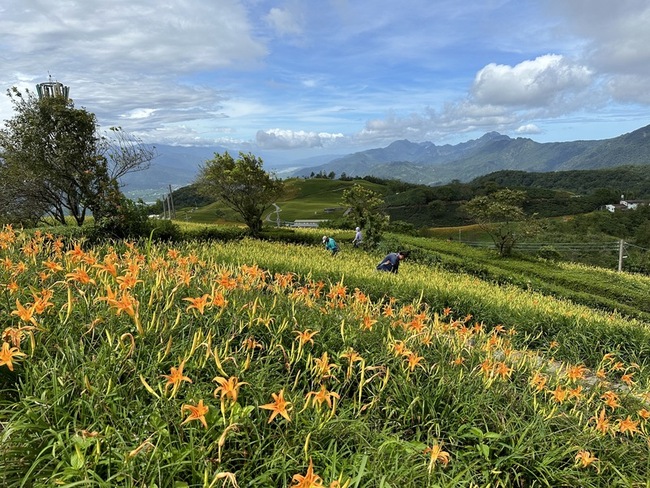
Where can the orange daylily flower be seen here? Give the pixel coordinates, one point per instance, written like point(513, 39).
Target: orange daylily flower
point(53, 266)
point(218, 300)
point(611, 399)
point(196, 413)
point(414, 361)
point(175, 378)
point(23, 313)
point(359, 296)
point(618, 366)
point(107, 267)
point(644, 414)
point(185, 277)
point(14, 336)
point(198, 303)
point(400, 348)
point(602, 423)
point(305, 336)
point(20, 268)
point(309, 480)
point(538, 381)
point(80, 275)
point(76, 254)
point(486, 367)
point(575, 392)
point(501, 369)
point(337, 291)
point(126, 303)
point(387, 310)
point(585, 458)
point(628, 426)
point(352, 356)
point(560, 394)
point(128, 281)
point(42, 301)
point(575, 373)
point(322, 396)
point(458, 361)
point(368, 322)
point(229, 388)
point(13, 287)
point(279, 406)
point(227, 282)
point(436, 454)
point(627, 379)
point(323, 367)
point(8, 355)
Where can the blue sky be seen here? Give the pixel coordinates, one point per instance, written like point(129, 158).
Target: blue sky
point(299, 78)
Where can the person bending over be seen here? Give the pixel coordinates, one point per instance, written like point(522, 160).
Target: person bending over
point(391, 261)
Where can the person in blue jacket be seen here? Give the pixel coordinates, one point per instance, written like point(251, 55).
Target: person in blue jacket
point(330, 245)
point(391, 261)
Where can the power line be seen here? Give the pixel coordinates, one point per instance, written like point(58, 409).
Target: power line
point(559, 246)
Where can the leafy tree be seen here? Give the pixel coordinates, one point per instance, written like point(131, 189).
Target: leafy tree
point(53, 161)
point(365, 210)
point(241, 184)
point(500, 214)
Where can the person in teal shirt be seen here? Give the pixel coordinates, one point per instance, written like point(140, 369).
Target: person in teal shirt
point(330, 245)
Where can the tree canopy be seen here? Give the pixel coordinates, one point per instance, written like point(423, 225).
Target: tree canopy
point(241, 184)
point(53, 161)
point(366, 211)
point(497, 214)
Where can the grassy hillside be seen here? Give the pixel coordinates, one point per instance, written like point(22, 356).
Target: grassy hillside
point(254, 363)
point(316, 198)
point(548, 195)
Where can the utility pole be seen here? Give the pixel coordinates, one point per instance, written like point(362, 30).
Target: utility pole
point(621, 249)
point(172, 210)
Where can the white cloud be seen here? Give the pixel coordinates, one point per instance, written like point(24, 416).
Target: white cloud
point(132, 64)
point(528, 129)
point(531, 83)
point(284, 21)
point(140, 113)
point(196, 71)
point(614, 39)
point(288, 139)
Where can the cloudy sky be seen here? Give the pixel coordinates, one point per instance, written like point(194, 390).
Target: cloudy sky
point(303, 77)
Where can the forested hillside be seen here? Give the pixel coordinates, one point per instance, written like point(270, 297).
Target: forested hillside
point(631, 181)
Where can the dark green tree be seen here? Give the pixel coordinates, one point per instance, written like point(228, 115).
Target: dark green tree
point(242, 185)
point(501, 215)
point(54, 162)
point(365, 210)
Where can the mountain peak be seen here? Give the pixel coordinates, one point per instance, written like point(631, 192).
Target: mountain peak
point(488, 136)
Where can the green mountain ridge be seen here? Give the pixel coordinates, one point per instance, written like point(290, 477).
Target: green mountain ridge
point(426, 163)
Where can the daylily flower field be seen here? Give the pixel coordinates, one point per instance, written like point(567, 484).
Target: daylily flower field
point(263, 364)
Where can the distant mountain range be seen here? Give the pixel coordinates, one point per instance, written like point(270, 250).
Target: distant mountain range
point(427, 163)
point(173, 165)
point(422, 162)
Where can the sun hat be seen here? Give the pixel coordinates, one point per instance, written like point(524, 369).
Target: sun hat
point(324, 238)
